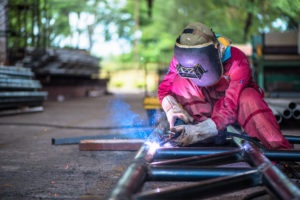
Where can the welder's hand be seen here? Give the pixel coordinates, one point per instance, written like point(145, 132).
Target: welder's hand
point(174, 110)
point(191, 134)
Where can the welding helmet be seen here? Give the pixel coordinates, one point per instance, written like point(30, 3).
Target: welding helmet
point(197, 53)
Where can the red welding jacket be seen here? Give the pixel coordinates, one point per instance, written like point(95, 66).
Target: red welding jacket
point(220, 101)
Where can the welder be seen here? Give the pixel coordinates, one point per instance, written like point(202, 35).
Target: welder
point(209, 85)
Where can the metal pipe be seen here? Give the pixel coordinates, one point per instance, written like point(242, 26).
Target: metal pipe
point(278, 101)
point(177, 173)
point(283, 110)
point(293, 139)
point(296, 113)
point(175, 152)
point(277, 114)
point(178, 153)
point(135, 134)
point(295, 107)
point(218, 158)
point(272, 176)
point(282, 155)
point(204, 189)
point(134, 177)
point(292, 105)
point(218, 180)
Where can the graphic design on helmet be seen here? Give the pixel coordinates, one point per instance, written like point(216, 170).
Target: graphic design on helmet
point(190, 72)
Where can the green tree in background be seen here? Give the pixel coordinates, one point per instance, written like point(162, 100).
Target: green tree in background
point(235, 19)
point(149, 26)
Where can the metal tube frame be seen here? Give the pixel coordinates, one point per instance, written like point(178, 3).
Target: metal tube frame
point(201, 167)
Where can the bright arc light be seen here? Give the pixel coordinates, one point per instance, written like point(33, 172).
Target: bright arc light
point(152, 146)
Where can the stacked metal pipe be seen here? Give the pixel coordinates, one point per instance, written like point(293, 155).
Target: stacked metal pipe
point(19, 92)
point(284, 109)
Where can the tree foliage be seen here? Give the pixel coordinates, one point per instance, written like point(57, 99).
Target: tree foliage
point(151, 26)
point(236, 19)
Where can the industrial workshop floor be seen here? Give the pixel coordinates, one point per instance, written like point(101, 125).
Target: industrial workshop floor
point(32, 168)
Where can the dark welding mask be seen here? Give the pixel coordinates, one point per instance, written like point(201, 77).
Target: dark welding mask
point(199, 62)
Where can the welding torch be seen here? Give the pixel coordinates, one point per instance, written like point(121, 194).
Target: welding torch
point(171, 135)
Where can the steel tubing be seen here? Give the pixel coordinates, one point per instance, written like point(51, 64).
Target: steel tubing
point(134, 177)
point(296, 113)
point(218, 158)
point(175, 173)
point(283, 110)
point(277, 114)
point(293, 139)
point(175, 152)
point(178, 153)
point(135, 134)
point(272, 176)
point(204, 189)
point(292, 105)
point(282, 155)
point(295, 107)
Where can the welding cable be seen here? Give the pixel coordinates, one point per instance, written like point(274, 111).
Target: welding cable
point(247, 138)
point(75, 127)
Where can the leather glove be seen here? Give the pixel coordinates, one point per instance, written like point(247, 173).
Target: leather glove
point(191, 134)
point(174, 110)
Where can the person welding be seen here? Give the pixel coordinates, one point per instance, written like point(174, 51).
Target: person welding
point(209, 85)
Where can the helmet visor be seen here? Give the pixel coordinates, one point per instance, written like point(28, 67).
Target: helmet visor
point(201, 63)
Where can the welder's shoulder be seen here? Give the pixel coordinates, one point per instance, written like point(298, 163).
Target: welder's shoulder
point(237, 53)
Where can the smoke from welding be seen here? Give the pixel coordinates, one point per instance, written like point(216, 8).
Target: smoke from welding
point(121, 114)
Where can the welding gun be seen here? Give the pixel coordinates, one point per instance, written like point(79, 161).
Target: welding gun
point(171, 135)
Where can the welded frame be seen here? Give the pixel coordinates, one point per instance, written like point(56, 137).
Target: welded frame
point(200, 167)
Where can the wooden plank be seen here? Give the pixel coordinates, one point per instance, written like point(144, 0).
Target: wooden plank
point(111, 145)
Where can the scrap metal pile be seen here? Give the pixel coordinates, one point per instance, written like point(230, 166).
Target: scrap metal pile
point(19, 91)
point(239, 170)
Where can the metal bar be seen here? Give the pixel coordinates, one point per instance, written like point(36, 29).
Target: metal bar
point(23, 94)
point(76, 140)
point(215, 180)
point(282, 155)
point(293, 139)
point(175, 152)
point(272, 176)
point(219, 158)
point(134, 177)
point(204, 189)
point(175, 173)
point(20, 71)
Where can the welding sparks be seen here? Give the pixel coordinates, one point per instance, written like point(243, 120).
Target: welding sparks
point(152, 146)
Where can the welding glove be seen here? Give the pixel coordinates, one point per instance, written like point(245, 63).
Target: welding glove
point(191, 134)
point(174, 110)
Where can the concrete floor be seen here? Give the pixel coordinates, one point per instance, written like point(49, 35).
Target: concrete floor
point(32, 168)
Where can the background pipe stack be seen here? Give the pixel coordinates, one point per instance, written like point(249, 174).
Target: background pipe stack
point(284, 109)
point(19, 91)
